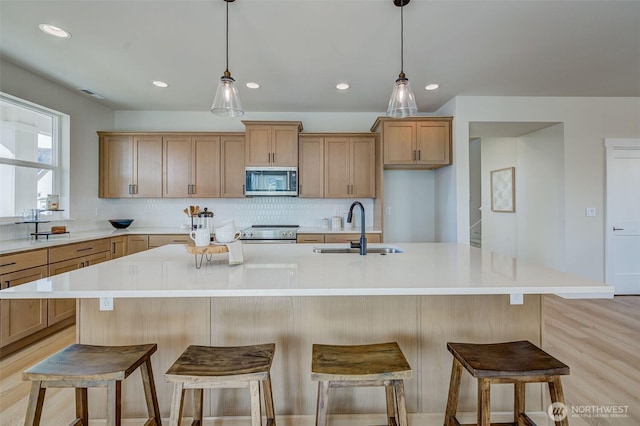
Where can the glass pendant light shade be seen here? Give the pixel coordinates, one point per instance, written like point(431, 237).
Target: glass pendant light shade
point(226, 103)
point(403, 102)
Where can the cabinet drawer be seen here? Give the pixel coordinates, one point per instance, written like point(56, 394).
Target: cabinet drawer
point(310, 238)
point(72, 251)
point(163, 240)
point(345, 238)
point(16, 262)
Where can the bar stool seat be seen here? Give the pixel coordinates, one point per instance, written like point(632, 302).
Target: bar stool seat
point(208, 367)
point(82, 366)
point(381, 364)
point(518, 362)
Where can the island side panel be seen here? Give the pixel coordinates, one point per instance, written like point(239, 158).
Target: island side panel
point(172, 323)
point(295, 324)
point(473, 319)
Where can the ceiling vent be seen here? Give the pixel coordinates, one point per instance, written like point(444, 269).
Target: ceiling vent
point(91, 93)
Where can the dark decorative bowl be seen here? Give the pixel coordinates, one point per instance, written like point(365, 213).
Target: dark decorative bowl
point(120, 223)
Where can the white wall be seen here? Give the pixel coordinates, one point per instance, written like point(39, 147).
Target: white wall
point(409, 195)
point(499, 229)
point(540, 195)
point(587, 121)
point(86, 117)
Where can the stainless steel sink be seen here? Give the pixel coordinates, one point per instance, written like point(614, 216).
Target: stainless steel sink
point(370, 250)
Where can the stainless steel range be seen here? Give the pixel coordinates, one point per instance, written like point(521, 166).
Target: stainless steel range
point(273, 234)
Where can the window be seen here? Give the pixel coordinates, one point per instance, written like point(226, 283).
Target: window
point(30, 142)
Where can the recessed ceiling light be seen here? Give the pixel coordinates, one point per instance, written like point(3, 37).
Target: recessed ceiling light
point(431, 86)
point(159, 83)
point(54, 31)
point(342, 86)
point(252, 85)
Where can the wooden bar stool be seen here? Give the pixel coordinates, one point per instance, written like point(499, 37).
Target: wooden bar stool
point(207, 367)
point(84, 366)
point(513, 362)
point(381, 364)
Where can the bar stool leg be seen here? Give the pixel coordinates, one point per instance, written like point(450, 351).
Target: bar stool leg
point(323, 401)
point(114, 398)
point(177, 404)
point(197, 406)
point(150, 392)
point(454, 392)
point(484, 402)
point(268, 401)
point(34, 409)
point(256, 415)
point(518, 401)
point(391, 404)
point(557, 395)
point(401, 407)
point(82, 406)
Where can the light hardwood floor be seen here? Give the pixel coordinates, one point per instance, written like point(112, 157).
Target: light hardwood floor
point(598, 339)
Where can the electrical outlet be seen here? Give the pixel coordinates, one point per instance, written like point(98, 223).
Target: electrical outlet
point(106, 303)
point(590, 212)
point(387, 210)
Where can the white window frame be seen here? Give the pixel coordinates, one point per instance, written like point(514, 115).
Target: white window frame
point(60, 153)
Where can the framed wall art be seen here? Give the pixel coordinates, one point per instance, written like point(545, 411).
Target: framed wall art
point(503, 190)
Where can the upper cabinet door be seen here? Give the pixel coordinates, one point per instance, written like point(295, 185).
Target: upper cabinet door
point(363, 161)
point(232, 152)
point(311, 169)
point(432, 142)
point(284, 142)
point(337, 168)
point(205, 166)
point(116, 166)
point(258, 146)
point(399, 146)
point(177, 166)
point(147, 166)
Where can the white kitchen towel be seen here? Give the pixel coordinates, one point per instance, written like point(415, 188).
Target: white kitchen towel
point(235, 253)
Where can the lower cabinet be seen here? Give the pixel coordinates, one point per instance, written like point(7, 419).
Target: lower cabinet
point(118, 246)
point(137, 243)
point(163, 240)
point(77, 255)
point(21, 318)
point(337, 238)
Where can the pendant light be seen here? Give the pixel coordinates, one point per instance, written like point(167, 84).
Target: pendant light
point(227, 101)
point(402, 102)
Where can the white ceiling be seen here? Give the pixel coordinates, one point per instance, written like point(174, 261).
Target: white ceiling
point(298, 50)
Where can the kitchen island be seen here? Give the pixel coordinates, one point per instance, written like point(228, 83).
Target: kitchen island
point(287, 294)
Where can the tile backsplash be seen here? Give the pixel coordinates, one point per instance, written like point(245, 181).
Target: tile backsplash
point(168, 213)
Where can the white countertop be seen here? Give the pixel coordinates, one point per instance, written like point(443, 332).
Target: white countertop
point(12, 246)
point(295, 270)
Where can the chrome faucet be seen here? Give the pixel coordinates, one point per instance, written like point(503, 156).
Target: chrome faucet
point(362, 245)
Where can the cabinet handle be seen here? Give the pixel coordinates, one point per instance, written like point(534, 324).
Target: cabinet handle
point(243, 190)
point(86, 263)
point(81, 265)
point(84, 249)
point(7, 264)
point(268, 157)
point(113, 248)
point(135, 188)
point(419, 156)
point(129, 189)
point(273, 156)
point(8, 284)
point(193, 189)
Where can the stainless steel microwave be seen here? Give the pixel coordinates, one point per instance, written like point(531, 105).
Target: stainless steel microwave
point(271, 181)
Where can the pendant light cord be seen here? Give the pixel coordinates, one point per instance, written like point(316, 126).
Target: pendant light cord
point(227, 65)
point(402, 36)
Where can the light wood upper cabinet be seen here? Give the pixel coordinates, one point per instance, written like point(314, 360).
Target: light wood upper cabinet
point(418, 142)
point(349, 167)
point(130, 166)
point(191, 166)
point(311, 166)
point(272, 143)
point(232, 153)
